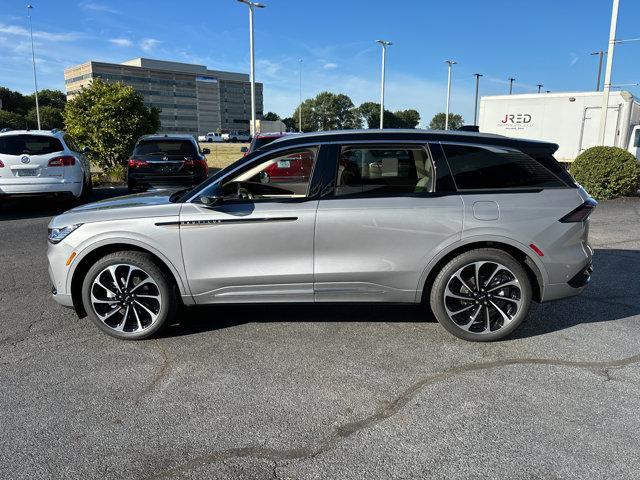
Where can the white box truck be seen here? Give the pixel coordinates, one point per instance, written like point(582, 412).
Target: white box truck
point(572, 120)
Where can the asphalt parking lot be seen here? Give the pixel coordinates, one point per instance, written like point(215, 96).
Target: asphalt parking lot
point(319, 392)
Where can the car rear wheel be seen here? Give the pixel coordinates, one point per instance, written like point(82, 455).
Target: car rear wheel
point(128, 296)
point(481, 295)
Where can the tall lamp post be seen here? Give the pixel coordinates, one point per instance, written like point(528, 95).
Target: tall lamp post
point(33, 59)
point(540, 87)
point(451, 63)
point(511, 80)
point(475, 110)
point(600, 54)
point(607, 74)
point(384, 45)
point(252, 74)
point(300, 95)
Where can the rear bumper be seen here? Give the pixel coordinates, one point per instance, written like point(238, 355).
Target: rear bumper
point(574, 286)
point(35, 186)
point(141, 179)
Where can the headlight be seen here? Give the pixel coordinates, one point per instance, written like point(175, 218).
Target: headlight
point(56, 235)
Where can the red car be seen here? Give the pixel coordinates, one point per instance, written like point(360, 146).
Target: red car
point(297, 168)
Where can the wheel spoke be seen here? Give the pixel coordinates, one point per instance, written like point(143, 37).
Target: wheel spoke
point(492, 275)
point(473, 318)
point(143, 282)
point(461, 310)
point(120, 326)
point(126, 282)
point(112, 271)
point(505, 284)
point(153, 315)
point(108, 315)
point(97, 282)
point(505, 317)
point(487, 318)
point(464, 284)
point(140, 327)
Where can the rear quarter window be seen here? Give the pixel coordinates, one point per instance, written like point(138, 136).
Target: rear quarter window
point(496, 168)
point(29, 145)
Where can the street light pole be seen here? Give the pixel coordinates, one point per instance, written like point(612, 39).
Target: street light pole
point(600, 54)
point(540, 87)
point(511, 80)
point(384, 45)
point(33, 59)
point(252, 72)
point(607, 75)
point(300, 95)
point(446, 114)
point(475, 110)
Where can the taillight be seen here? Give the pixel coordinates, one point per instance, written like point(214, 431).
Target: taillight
point(64, 161)
point(581, 213)
point(1, 164)
point(137, 163)
point(197, 162)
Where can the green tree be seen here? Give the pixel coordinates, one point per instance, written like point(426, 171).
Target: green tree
point(271, 117)
point(438, 121)
point(370, 113)
point(290, 123)
point(50, 117)
point(328, 111)
point(407, 118)
point(109, 118)
point(12, 121)
point(14, 101)
point(48, 98)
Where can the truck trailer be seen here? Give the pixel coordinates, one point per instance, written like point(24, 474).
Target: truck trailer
point(572, 120)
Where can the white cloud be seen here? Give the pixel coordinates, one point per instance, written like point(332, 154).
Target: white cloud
point(574, 59)
point(98, 7)
point(330, 66)
point(16, 30)
point(121, 42)
point(148, 44)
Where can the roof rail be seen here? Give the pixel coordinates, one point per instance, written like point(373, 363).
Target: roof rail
point(54, 130)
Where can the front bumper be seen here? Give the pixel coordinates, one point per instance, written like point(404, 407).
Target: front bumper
point(58, 271)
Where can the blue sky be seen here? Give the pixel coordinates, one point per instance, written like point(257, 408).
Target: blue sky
point(542, 41)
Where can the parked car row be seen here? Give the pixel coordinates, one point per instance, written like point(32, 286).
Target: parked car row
point(232, 136)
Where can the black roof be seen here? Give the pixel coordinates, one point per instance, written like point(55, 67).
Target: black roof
point(398, 135)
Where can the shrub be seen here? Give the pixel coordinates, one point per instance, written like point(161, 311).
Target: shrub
point(607, 172)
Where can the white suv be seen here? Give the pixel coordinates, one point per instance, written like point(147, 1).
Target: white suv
point(42, 162)
point(236, 136)
point(210, 137)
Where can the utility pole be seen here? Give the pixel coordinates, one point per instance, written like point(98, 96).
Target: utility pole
point(475, 110)
point(607, 75)
point(446, 114)
point(252, 72)
point(540, 87)
point(384, 45)
point(511, 80)
point(33, 59)
point(300, 94)
point(600, 54)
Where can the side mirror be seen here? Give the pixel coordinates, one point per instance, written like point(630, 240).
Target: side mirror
point(214, 198)
point(206, 151)
point(264, 177)
point(244, 149)
point(86, 150)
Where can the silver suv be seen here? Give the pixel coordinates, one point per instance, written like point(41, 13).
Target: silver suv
point(473, 226)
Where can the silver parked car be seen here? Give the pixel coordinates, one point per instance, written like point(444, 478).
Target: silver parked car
point(473, 226)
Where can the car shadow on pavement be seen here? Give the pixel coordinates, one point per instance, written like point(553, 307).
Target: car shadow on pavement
point(18, 208)
point(613, 294)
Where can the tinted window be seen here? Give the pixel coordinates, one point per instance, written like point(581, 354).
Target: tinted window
point(29, 144)
point(476, 168)
point(384, 170)
point(165, 147)
point(71, 143)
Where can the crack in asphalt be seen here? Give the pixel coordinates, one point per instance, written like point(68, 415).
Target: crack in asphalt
point(388, 409)
point(159, 375)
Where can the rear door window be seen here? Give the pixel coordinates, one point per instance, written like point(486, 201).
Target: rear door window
point(29, 145)
point(182, 148)
point(384, 170)
point(496, 168)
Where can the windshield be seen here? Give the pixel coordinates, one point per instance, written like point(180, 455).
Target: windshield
point(29, 144)
point(182, 148)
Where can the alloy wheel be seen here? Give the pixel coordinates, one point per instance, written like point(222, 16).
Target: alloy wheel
point(126, 298)
point(483, 297)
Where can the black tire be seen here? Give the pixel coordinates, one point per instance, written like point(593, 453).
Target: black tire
point(234, 140)
point(520, 291)
point(166, 289)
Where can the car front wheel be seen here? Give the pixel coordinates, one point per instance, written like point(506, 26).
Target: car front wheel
point(128, 296)
point(481, 295)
